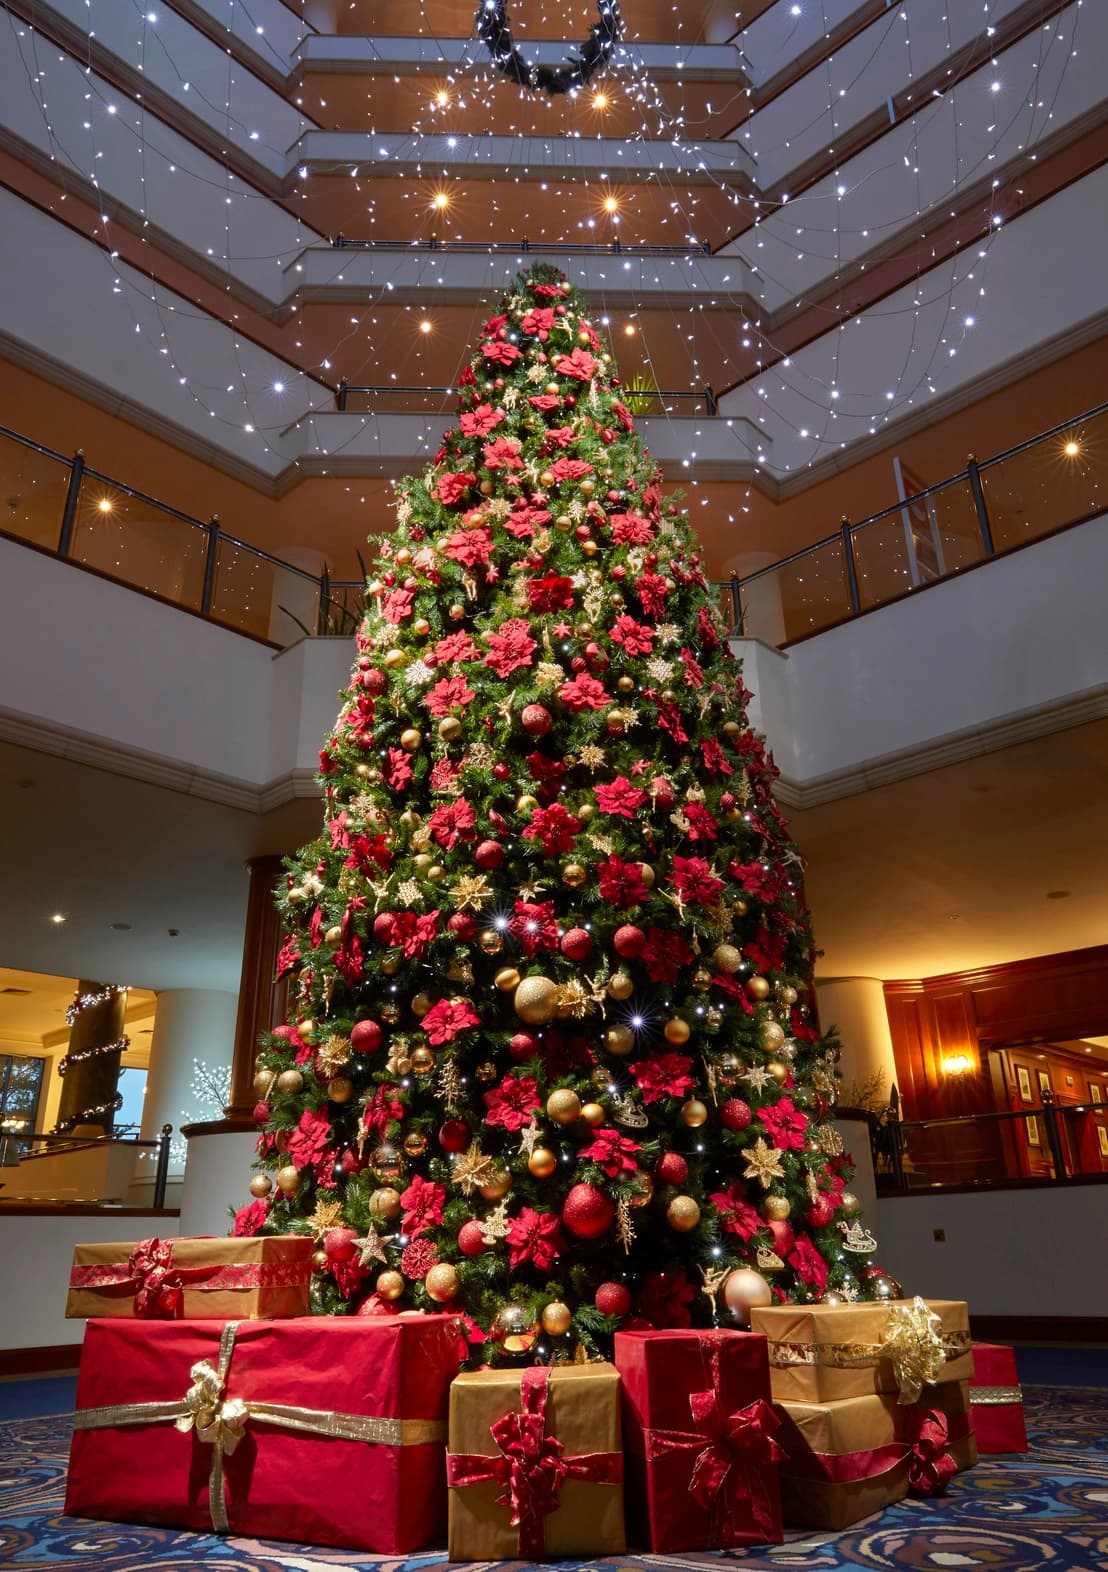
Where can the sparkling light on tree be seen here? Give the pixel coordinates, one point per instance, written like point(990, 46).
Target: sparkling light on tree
point(552, 1060)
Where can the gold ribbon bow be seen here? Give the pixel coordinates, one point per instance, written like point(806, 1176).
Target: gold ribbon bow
point(219, 1424)
point(913, 1341)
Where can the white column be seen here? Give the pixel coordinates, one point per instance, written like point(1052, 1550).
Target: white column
point(191, 1024)
point(855, 1007)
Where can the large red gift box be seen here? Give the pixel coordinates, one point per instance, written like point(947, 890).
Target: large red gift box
point(701, 1459)
point(325, 1430)
point(996, 1401)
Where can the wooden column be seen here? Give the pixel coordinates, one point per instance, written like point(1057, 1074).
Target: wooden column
point(261, 999)
point(90, 1083)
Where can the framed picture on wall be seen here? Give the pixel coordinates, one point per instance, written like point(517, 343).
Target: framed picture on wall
point(1023, 1081)
point(1033, 1133)
point(1095, 1094)
point(1102, 1139)
point(1044, 1080)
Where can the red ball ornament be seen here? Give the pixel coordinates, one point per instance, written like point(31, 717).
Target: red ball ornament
point(735, 1114)
point(587, 1212)
point(375, 1305)
point(662, 792)
point(523, 1047)
point(464, 924)
point(261, 1113)
point(536, 719)
point(339, 1244)
point(576, 944)
point(821, 1211)
point(489, 854)
point(375, 681)
point(502, 772)
point(784, 1236)
point(671, 1168)
point(366, 1036)
point(471, 1240)
point(613, 1299)
point(382, 927)
point(629, 941)
point(287, 1034)
point(454, 1135)
point(351, 1163)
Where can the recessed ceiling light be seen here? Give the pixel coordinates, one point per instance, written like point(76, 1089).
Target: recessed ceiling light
point(58, 918)
point(1058, 895)
point(121, 927)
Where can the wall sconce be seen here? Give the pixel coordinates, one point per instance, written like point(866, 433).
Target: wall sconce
point(957, 1064)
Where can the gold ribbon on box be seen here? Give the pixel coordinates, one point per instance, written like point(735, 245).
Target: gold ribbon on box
point(994, 1396)
point(221, 1422)
point(913, 1340)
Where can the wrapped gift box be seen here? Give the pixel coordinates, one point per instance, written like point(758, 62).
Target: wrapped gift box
point(996, 1401)
point(699, 1445)
point(325, 1430)
point(823, 1353)
point(857, 1455)
point(535, 1465)
point(198, 1278)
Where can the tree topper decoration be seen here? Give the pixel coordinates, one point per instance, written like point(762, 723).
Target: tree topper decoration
point(593, 55)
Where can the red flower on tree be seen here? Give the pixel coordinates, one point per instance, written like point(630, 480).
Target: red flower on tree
point(510, 646)
point(665, 1299)
point(398, 769)
point(250, 1220)
point(664, 954)
point(544, 401)
point(423, 1202)
point(636, 638)
point(548, 775)
point(454, 647)
point(786, 1124)
point(469, 547)
point(662, 1075)
point(579, 363)
point(310, 1139)
point(500, 353)
point(584, 693)
point(669, 719)
point(502, 453)
point(570, 468)
point(735, 1216)
point(449, 693)
point(550, 593)
point(447, 1018)
point(714, 761)
point(512, 1103)
point(703, 826)
point(555, 827)
point(411, 932)
point(696, 882)
point(382, 1109)
point(418, 1258)
point(651, 590)
point(535, 927)
point(535, 1237)
point(808, 1264)
point(620, 798)
point(481, 421)
point(538, 322)
point(614, 1153)
point(452, 487)
point(694, 676)
point(631, 529)
point(621, 883)
point(398, 605)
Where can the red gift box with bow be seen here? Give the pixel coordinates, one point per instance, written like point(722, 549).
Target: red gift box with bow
point(700, 1440)
point(535, 1466)
point(996, 1400)
point(324, 1430)
point(165, 1279)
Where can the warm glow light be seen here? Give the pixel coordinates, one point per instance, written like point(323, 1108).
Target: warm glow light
point(600, 100)
point(442, 98)
point(104, 505)
point(958, 1064)
point(611, 205)
point(629, 329)
point(57, 917)
point(440, 200)
point(425, 326)
point(1072, 449)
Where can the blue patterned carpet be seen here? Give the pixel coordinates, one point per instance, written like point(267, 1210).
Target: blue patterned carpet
point(1045, 1512)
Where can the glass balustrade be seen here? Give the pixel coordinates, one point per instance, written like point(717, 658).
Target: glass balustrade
point(1040, 489)
point(33, 487)
point(129, 537)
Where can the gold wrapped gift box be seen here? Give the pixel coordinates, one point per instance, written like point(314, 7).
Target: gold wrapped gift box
point(259, 1278)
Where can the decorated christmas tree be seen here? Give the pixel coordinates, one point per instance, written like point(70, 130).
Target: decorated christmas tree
point(551, 1059)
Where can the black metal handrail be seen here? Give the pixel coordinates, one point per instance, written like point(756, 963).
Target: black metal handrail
point(560, 247)
point(50, 1143)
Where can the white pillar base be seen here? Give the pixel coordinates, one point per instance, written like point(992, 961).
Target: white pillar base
point(216, 1177)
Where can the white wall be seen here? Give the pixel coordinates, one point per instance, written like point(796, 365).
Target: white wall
point(1007, 1252)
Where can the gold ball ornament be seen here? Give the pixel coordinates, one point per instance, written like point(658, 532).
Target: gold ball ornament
point(422, 1060)
point(787, 994)
point(619, 1040)
point(486, 1071)
point(410, 739)
point(593, 1114)
point(677, 1031)
point(261, 1185)
point(320, 1261)
point(288, 1180)
point(694, 1113)
point(415, 1144)
point(394, 659)
point(625, 685)
point(497, 1186)
point(621, 985)
point(290, 1082)
point(450, 728)
point(340, 1089)
point(457, 612)
point(682, 1214)
point(563, 1106)
point(542, 1162)
point(506, 979)
point(730, 728)
point(779, 1071)
point(646, 874)
point(390, 1285)
point(386, 1161)
point(702, 979)
point(264, 1082)
point(513, 1328)
point(831, 1297)
point(848, 1203)
point(490, 941)
point(574, 875)
point(557, 1319)
point(776, 1208)
point(333, 938)
point(442, 1283)
point(745, 1290)
point(727, 958)
point(536, 1000)
point(642, 1189)
point(771, 1036)
point(757, 987)
point(740, 908)
point(884, 1289)
point(526, 803)
point(385, 1203)
point(421, 1004)
point(421, 627)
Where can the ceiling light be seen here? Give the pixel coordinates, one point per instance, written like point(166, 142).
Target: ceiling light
point(58, 918)
point(440, 200)
point(600, 100)
point(105, 505)
point(1072, 449)
point(611, 204)
point(629, 329)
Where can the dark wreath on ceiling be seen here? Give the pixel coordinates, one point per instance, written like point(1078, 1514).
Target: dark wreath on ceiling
point(592, 56)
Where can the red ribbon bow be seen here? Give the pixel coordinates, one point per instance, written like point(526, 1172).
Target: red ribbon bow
point(532, 1466)
point(160, 1285)
point(930, 1465)
point(728, 1449)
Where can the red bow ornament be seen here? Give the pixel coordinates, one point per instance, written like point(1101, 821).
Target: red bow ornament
point(930, 1465)
point(532, 1466)
point(160, 1285)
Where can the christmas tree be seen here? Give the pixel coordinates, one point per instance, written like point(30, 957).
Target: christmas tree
point(552, 1059)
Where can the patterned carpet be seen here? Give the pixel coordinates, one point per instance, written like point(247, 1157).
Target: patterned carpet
point(1045, 1512)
